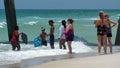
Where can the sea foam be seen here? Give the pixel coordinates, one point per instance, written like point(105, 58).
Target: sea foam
point(2, 24)
point(29, 51)
point(31, 23)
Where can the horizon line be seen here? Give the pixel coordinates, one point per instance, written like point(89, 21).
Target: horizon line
point(63, 9)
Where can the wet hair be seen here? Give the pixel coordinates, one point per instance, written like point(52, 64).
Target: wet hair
point(16, 28)
point(70, 20)
point(64, 23)
point(51, 21)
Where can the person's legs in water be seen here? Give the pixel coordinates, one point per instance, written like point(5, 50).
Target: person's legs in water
point(105, 43)
point(110, 44)
point(69, 42)
point(60, 43)
point(52, 46)
point(63, 43)
point(52, 41)
point(13, 46)
point(99, 44)
point(18, 47)
point(69, 47)
point(44, 43)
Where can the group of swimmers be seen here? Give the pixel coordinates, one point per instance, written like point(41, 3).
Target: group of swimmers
point(104, 33)
point(66, 35)
point(43, 34)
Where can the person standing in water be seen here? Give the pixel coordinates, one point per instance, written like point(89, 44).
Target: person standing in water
point(110, 24)
point(52, 28)
point(43, 35)
point(15, 39)
point(69, 34)
point(62, 37)
point(101, 32)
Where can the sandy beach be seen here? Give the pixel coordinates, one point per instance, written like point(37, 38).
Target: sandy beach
point(103, 61)
point(70, 60)
point(40, 60)
point(77, 22)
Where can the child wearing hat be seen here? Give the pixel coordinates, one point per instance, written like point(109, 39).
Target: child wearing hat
point(43, 36)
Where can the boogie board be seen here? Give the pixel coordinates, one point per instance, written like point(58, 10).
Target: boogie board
point(37, 42)
point(24, 38)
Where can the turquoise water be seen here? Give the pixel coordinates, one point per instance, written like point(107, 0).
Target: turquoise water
point(30, 21)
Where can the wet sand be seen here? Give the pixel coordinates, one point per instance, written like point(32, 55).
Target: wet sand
point(41, 60)
point(104, 61)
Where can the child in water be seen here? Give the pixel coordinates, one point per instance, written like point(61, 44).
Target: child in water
point(43, 35)
point(15, 39)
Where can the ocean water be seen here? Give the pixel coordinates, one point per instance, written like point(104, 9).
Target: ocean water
point(30, 22)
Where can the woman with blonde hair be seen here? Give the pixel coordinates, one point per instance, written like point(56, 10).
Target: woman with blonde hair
point(101, 32)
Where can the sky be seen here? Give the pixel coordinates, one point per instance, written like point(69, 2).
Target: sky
point(65, 4)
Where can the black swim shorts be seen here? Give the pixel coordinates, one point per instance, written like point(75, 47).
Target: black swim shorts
point(109, 35)
point(44, 43)
point(51, 40)
point(70, 38)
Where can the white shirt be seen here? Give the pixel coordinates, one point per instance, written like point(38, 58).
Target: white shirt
point(61, 34)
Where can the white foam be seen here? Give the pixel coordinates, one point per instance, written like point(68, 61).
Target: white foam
point(37, 17)
point(32, 22)
point(2, 24)
point(29, 51)
point(61, 20)
point(115, 16)
point(118, 15)
point(87, 19)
